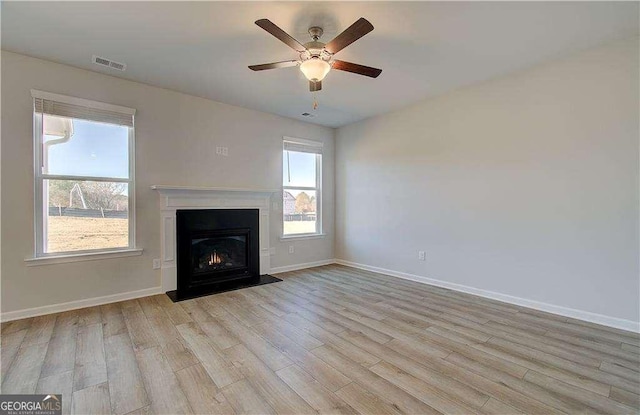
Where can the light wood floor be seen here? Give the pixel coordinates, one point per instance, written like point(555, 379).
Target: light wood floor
point(325, 340)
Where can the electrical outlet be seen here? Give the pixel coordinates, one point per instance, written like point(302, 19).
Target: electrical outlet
point(291, 249)
point(156, 264)
point(225, 151)
point(219, 151)
point(422, 256)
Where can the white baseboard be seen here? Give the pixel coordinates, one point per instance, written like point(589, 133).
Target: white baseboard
point(73, 305)
point(615, 322)
point(305, 265)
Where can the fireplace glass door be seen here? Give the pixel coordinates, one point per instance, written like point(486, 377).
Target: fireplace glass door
point(219, 253)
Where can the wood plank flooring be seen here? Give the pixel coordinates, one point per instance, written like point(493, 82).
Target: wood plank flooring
point(327, 340)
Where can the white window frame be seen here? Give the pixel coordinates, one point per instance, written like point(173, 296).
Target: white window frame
point(317, 189)
point(41, 212)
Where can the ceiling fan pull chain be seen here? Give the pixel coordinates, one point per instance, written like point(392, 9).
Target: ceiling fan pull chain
point(315, 102)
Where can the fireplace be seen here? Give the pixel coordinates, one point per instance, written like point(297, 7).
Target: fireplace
point(217, 250)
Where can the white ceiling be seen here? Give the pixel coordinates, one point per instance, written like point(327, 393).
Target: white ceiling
point(203, 48)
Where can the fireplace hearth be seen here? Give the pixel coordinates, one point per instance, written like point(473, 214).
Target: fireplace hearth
point(217, 250)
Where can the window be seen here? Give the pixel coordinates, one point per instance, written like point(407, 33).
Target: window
point(301, 185)
point(84, 175)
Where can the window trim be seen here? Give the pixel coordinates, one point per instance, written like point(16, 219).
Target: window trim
point(84, 256)
point(41, 213)
point(318, 189)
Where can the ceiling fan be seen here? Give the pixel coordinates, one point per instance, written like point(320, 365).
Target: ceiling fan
point(316, 58)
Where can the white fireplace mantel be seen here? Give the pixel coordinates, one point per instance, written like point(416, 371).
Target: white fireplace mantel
point(173, 198)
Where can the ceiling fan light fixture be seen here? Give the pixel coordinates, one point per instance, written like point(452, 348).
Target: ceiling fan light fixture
point(315, 69)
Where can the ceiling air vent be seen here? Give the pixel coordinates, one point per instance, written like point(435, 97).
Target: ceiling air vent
point(108, 63)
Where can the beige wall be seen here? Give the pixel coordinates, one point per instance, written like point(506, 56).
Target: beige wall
point(176, 136)
point(526, 185)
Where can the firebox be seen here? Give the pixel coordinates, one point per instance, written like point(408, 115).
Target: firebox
point(219, 252)
point(217, 249)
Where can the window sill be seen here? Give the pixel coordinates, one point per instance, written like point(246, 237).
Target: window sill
point(303, 236)
point(86, 256)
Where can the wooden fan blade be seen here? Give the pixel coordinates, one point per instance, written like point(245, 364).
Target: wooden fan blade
point(273, 65)
point(280, 34)
point(355, 68)
point(352, 33)
point(315, 86)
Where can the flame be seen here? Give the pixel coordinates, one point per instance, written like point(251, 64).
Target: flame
point(215, 259)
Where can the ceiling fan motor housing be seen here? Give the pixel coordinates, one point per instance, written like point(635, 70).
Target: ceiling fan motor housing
point(315, 48)
point(315, 51)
